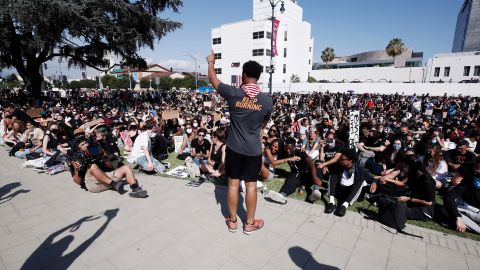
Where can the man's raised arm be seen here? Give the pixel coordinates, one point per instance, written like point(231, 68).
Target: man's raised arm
point(212, 75)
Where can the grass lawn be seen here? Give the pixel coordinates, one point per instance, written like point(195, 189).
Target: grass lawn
point(277, 183)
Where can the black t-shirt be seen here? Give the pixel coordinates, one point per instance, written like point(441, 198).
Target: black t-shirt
point(423, 187)
point(247, 116)
point(467, 159)
point(301, 166)
point(331, 151)
point(472, 193)
point(201, 148)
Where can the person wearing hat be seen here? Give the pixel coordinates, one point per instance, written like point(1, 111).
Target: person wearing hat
point(459, 157)
point(95, 174)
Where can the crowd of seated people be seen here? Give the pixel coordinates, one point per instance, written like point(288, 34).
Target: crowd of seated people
point(412, 148)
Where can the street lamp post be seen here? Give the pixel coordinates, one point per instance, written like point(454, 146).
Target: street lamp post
point(196, 73)
point(282, 9)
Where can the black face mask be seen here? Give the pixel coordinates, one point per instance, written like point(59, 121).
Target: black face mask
point(54, 131)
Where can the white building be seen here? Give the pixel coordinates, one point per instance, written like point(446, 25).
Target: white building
point(454, 67)
point(236, 43)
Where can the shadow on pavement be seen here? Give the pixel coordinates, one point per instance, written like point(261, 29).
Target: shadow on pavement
point(303, 259)
point(50, 253)
point(5, 190)
point(221, 198)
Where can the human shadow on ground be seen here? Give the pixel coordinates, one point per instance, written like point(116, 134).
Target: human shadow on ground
point(303, 259)
point(6, 189)
point(221, 198)
point(50, 253)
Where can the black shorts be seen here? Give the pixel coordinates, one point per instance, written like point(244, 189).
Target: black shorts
point(238, 166)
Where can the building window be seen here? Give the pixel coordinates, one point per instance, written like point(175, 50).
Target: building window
point(285, 35)
point(310, 49)
point(235, 64)
point(466, 71)
point(309, 61)
point(437, 72)
point(258, 35)
point(269, 35)
point(218, 71)
point(285, 52)
point(476, 71)
point(217, 41)
point(218, 56)
point(284, 68)
point(258, 52)
point(268, 52)
point(446, 72)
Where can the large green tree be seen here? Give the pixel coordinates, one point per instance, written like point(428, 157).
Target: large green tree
point(328, 55)
point(395, 48)
point(83, 32)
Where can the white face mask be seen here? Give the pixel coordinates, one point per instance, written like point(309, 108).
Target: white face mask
point(189, 130)
point(152, 135)
point(195, 124)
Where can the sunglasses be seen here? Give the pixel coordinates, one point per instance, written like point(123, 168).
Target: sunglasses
point(201, 135)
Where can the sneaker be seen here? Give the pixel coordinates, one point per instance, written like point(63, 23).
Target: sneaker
point(277, 197)
point(329, 208)
point(340, 211)
point(190, 170)
point(118, 186)
point(138, 193)
point(301, 190)
point(166, 164)
point(316, 195)
point(251, 228)
point(232, 226)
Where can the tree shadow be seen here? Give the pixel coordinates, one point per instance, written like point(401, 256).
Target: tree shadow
point(50, 253)
point(6, 189)
point(304, 259)
point(221, 198)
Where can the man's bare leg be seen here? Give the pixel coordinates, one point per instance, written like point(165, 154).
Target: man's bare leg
point(100, 175)
point(251, 200)
point(127, 173)
point(232, 197)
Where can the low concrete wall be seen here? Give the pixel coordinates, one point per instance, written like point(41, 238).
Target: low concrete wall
point(434, 89)
point(371, 74)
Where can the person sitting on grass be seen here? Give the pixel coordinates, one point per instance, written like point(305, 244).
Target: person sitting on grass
point(216, 160)
point(270, 160)
point(302, 172)
point(345, 186)
point(141, 152)
point(91, 169)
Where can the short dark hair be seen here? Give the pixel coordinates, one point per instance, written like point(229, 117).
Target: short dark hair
point(252, 69)
point(290, 140)
point(350, 153)
point(150, 125)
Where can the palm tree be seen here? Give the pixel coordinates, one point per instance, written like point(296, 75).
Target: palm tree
point(328, 55)
point(294, 78)
point(395, 48)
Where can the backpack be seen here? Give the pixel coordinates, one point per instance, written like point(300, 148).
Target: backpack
point(392, 212)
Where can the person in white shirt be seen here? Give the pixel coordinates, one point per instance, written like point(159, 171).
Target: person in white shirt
point(436, 166)
point(141, 153)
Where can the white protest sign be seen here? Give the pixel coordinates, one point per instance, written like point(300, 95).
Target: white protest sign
point(178, 143)
point(354, 137)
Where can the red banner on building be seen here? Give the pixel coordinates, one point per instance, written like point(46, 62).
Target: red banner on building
point(276, 24)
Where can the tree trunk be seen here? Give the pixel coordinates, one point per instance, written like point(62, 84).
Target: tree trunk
point(34, 83)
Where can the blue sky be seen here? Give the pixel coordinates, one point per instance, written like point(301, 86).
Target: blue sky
point(348, 26)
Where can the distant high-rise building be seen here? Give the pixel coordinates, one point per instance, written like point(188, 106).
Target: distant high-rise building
point(467, 33)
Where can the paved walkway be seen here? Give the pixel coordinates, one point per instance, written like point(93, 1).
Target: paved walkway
point(47, 222)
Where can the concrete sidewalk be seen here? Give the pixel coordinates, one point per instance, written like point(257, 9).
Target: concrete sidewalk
point(47, 222)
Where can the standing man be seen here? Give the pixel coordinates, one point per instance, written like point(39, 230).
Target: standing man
point(249, 112)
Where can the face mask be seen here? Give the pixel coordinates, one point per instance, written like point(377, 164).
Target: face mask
point(181, 121)
point(152, 135)
point(189, 130)
point(195, 124)
point(397, 146)
point(434, 141)
point(331, 143)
